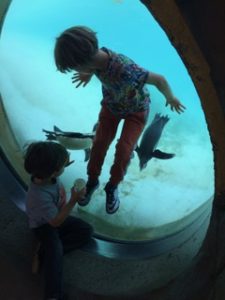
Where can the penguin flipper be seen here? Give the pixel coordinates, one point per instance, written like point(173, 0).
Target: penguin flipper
point(162, 155)
point(87, 154)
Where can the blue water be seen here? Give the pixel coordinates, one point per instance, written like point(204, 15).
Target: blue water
point(36, 96)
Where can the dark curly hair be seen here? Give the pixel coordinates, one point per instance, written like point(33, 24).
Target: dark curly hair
point(76, 46)
point(42, 159)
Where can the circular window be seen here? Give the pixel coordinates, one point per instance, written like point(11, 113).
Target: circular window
point(35, 96)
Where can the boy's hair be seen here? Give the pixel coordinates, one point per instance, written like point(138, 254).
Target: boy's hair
point(75, 47)
point(42, 159)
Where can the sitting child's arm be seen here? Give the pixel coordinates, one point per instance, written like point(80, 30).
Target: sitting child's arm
point(67, 208)
point(162, 85)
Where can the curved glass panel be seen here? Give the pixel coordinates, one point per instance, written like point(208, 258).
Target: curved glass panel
point(37, 97)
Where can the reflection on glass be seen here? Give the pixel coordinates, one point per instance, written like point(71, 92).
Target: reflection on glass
point(37, 97)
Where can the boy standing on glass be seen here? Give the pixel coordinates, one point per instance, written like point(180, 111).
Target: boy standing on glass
point(48, 211)
point(125, 97)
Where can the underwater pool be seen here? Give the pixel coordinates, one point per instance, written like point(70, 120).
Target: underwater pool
point(36, 97)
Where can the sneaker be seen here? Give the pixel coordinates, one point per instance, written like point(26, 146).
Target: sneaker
point(112, 199)
point(90, 188)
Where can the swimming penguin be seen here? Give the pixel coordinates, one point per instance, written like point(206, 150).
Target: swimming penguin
point(72, 140)
point(149, 141)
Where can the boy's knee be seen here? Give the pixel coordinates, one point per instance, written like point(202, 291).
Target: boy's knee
point(124, 150)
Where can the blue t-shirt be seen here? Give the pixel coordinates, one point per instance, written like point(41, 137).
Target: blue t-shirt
point(123, 85)
point(43, 202)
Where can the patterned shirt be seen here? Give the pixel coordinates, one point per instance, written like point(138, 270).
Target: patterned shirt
point(43, 202)
point(123, 85)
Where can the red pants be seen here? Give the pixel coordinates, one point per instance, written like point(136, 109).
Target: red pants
point(108, 123)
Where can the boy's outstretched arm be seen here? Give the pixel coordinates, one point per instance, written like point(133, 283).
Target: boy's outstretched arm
point(81, 78)
point(163, 86)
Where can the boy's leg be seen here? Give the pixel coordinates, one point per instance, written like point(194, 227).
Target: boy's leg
point(105, 133)
point(53, 260)
point(133, 126)
point(74, 233)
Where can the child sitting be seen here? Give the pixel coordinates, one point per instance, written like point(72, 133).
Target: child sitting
point(48, 211)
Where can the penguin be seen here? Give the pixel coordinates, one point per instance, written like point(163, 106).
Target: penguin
point(149, 141)
point(72, 140)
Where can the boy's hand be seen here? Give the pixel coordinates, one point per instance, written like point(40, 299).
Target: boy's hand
point(175, 104)
point(76, 195)
point(81, 78)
